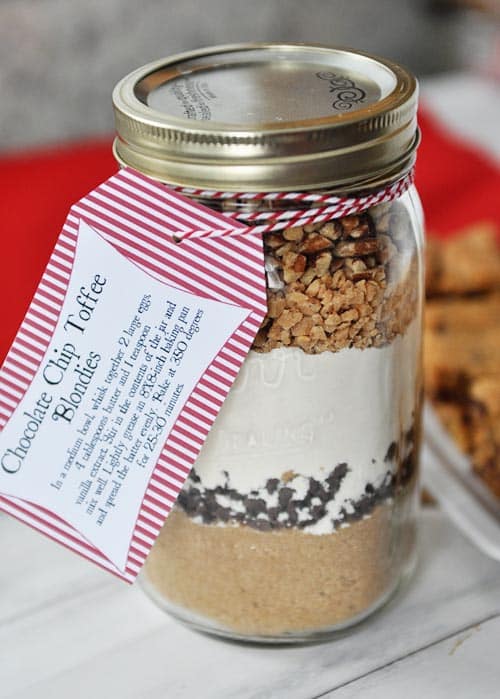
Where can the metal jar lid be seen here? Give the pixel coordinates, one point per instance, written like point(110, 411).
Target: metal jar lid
point(266, 117)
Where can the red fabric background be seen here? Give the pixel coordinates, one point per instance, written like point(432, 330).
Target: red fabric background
point(457, 184)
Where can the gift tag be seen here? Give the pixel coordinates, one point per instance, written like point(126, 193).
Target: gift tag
point(138, 328)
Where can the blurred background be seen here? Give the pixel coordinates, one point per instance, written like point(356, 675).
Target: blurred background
point(59, 59)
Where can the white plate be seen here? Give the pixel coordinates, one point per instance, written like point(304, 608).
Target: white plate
point(448, 475)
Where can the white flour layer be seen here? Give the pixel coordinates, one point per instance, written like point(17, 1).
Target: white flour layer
point(289, 411)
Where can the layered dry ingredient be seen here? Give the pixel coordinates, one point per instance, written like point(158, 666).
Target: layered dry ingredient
point(291, 520)
point(258, 585)
point(338, 284)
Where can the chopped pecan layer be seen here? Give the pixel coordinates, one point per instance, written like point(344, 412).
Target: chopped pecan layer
point(351, 282)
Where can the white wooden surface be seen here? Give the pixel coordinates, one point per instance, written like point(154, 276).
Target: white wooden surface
point(69, 630)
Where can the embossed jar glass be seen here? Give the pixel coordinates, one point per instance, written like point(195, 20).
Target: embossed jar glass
point(298, 518)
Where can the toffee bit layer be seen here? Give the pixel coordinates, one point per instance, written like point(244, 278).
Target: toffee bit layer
point(298, 501)
point(260, 584)
point(338, 284)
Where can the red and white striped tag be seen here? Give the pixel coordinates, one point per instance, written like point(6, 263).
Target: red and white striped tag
point(126, 354)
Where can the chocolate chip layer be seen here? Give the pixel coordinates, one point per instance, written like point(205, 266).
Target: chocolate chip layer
point(297, 501)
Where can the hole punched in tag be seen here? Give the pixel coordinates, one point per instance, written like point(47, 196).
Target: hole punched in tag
point(177, 239)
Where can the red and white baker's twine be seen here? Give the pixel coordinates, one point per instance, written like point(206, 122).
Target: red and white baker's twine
point(332, 207)
point(139, 217)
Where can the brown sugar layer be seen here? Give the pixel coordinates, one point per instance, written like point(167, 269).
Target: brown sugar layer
point(351, 282)
point(278, 582)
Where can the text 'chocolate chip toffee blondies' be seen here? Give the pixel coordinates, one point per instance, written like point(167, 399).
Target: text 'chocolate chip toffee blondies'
point(462, 343)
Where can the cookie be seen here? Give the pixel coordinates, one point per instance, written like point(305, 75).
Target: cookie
point(462, 342)
point(454, 417)
point(467, 263)
point(485, 430)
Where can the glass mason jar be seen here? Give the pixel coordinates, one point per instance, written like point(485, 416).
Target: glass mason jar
point(298, 518)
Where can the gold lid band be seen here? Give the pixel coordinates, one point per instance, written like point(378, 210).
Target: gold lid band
point(260, 117)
